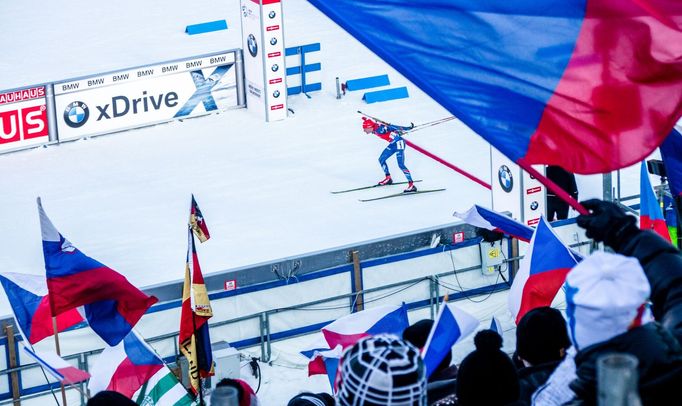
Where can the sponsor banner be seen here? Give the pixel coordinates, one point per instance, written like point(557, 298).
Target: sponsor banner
point(154, 99)
point(22, 95)
point(534, 197)
point(143, 73)
point(23, 118)
point(252, 43)
point(275, 72)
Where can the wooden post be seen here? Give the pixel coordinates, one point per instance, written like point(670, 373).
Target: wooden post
point(14, 376)
point(357, 281)
point(56, 343)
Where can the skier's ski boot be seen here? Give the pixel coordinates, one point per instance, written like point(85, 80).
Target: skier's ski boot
point(410, 188)
point(387, 181)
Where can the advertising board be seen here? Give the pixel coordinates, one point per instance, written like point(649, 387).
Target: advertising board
point(142, 96)
point(23, 118)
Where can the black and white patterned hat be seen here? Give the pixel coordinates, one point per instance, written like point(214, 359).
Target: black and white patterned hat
point(382, 370)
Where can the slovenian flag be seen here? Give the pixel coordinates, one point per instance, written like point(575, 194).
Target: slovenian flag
point(133, 369)
point(490, 220)
point(541, 273)
point(650, 213)
point(30, 303)
point(57, 367)
point(574, 83)
point(113, 305)
point(347, 330)
point(451, 326)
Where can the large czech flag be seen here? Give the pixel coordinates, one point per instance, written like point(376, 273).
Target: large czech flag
point(112, 304)
point(347, 330)
point(590, 85)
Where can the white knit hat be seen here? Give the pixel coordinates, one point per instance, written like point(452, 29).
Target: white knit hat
point(606, 295)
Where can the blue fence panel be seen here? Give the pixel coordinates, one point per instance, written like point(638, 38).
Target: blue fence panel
point(303, 68)
point(386, 95)
point(368, 82)
point(206, 27)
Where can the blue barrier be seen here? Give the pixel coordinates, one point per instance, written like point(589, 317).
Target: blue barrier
point(367, 83)
point(303, 68)
point(385, 95)
point(206, 27)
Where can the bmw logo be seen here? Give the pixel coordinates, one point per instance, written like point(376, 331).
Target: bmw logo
point(253, 46)
point(275, 68)
point(504, 175)
point(275, 93)
point(272, 14)
point(76, 114)
point(273, 41)
point(534, 205)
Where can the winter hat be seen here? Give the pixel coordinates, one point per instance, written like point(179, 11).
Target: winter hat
point(474, 384)
point(418, 333)
point(606, 295)
point(312, 399)
point(381, 370)
point(541, 335)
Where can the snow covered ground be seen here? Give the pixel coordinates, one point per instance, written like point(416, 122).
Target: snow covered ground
point(263, 188)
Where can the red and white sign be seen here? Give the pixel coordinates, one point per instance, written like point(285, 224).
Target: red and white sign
point(457, 237)
point(231, 284)
point(23, 118)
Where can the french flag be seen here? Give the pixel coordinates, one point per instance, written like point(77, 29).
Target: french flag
point(126, 367)
point(30, 303)
point(541, 273)
point(112, 305)
point(451, 326)
point(57, 367)
point(650, 213)
point(574, 83)
point(494, 221)
point(347, 330)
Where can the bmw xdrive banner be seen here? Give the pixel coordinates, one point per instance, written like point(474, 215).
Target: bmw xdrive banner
point(147, 95)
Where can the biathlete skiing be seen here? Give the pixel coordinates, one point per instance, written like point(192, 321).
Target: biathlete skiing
point(396, 145)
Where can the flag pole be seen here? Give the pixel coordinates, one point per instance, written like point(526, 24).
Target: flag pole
point(56, 343)
point(562, 194)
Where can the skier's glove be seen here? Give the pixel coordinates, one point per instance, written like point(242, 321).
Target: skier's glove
point(608, 223)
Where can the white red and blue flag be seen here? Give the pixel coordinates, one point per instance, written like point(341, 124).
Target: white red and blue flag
point(347, 330)
point(541, 273)
point(56, 366)
point(491, 220)
point(112, 304)
point(30, 303)
point(451, 326)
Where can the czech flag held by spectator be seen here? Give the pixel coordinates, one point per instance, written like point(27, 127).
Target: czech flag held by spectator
point(30, 303)
point(347, 330)
point(112, 304)
point(541, 273)
point(650, 213)
point(589, 85)
point(491, 220)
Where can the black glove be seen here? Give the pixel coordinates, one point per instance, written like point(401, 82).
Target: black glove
point(489, 235)
point(607, 222)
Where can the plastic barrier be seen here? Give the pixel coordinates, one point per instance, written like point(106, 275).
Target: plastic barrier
point(206, 27)
point(303, 68)
point(386, 95)
point(367, 83)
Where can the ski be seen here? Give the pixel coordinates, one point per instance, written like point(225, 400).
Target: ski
point(402, 194)
point(370, 187)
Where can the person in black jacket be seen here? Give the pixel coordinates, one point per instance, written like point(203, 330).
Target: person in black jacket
point(557, 209)
point(656, 344)
point(541, 343)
